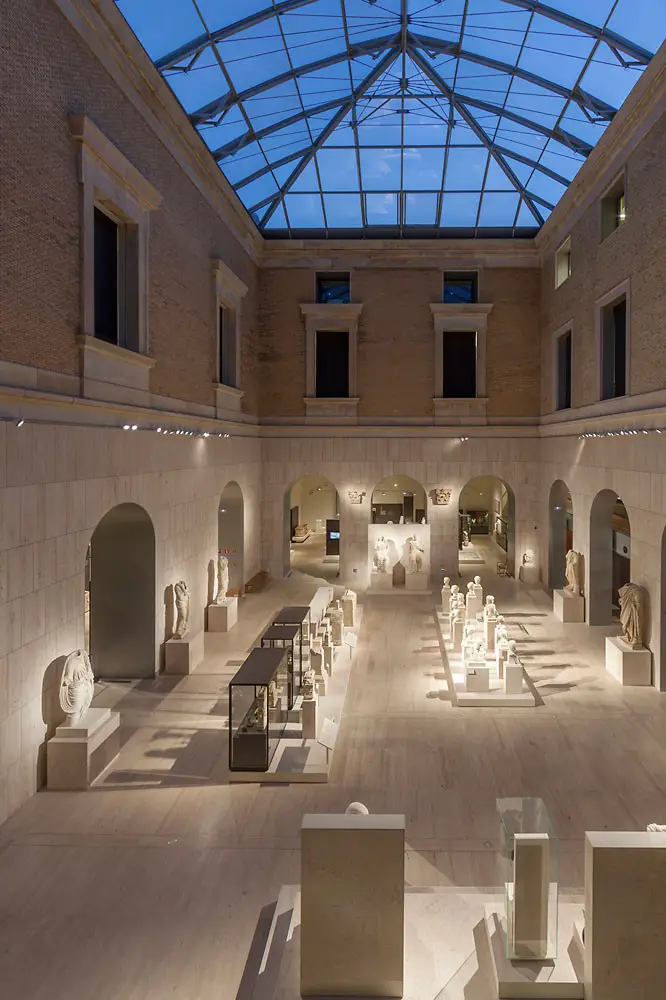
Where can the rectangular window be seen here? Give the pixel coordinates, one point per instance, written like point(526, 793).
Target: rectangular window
point(333, 287)
point(613, 208)
point(614, 349)
point(563, 263)
point(107, 238)
point(332, 364)
point(227, 346)
point(459, 364)
point(563, 360)
point(461, 287)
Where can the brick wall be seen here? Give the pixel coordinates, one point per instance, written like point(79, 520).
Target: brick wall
point(396, 341)
point(47, 71)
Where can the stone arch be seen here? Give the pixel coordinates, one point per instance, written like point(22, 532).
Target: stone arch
point(231, 534)
point(495, 498)
point(311, 501)
point(560, 532)
point(609, 568)
point(121, 579)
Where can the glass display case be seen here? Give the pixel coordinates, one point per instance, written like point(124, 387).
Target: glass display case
point(297, 615)
point(285, 637)
point(528, 864)
point(258, 709)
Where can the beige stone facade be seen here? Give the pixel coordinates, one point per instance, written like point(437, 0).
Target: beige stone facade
point(71, 461)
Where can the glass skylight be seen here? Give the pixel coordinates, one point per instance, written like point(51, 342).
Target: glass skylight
point(399, 117)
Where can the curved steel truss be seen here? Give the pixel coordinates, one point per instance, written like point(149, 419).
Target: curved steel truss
point(396, 117)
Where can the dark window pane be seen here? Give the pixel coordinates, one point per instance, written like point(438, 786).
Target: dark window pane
point(620, 328)
point(332, 363)
point(461, 286)
point(225, 347)
point(333, 287)
point(106, 278)
point(459, 361)
point(614, 350)
point(564, 372)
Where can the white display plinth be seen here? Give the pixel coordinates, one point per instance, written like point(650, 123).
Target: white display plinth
point(477, 676)
point(76, 755)
point(474, 605)
point(568, 607)
point(489, 626)
point(529, 574)
point(182, 656)
point(222, 617)
point(457, 629)
point(309, 718)
point(631, 667)
point(513, 677)
point(501, 656)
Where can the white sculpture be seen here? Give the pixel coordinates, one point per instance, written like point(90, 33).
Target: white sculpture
point(415, 552)
point(222, 578)
point(182, 609)
point(631, 614)
point(77, 686)
point(470, 589)
point(308, 684)
point(447, 582)
point(357, 809)
point(512, 648)
point(573, 573)
point(465, 539)
point(423, 520)
point(381, 554)
point(528, 557)
point(477, 581)
point(489, 608)
point(458, 613)
point(656, 828)
point(453, 598)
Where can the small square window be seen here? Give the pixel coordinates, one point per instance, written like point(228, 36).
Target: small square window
point(333, 287)
point(613, 208)
point(563, 263)
point(461, 287)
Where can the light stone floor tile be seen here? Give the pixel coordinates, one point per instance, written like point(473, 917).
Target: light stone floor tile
point(155, 882)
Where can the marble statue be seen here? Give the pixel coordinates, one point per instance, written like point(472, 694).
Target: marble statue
point(656, 828)
point(528, 557)
point(357, 809)
point(489, 608)
point(182, 609)
point(501, 634)
point(77, 686)
point(447, 582)
point(308, 684)
point(415, 554)
point(458, 613)
point(631, 614)
point(477, 581)
point(381, 554)
point(470, 588)
point(573, 573)
point(465, 539)
point(513, 648)
point(453, 597)
point(423, 520)
point(222, 578)
point(402, 519)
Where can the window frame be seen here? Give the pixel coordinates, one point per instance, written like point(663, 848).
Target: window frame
point(328, 271)
point(563, 250)
point(557, 336)
point(466, 271)
point(450, 317)
point(614, 295)
point(607, 202)
point(330, 316)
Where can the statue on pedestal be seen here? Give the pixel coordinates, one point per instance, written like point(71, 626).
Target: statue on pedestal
point(415, 552)
point(381, 554)
point(573, 573)
point(489, 608)
point(182, 609)
point(77, 686)
point(631, 614)
point(222, 578)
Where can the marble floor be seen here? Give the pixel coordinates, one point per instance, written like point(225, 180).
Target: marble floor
point(160, 881)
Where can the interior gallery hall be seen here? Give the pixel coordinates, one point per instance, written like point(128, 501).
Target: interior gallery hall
point(333, 499)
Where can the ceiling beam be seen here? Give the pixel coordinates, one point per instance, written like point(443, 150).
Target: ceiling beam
point(210, 112)
point(192, 49)
point(371, 78)
point(586, 101)
point(614, 41)
point(235, 145)
point(289, 158)
point(573, 142)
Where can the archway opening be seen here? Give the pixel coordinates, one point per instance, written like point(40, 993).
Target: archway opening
point(487, 526)
point(312, 528)
point(399, 500)
point(610, 556)
point(231, 535)
point(120, 595)
point(560, 532)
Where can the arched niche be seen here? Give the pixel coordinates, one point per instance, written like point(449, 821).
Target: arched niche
point(610, 556)
point(311, 528)
point(487, 520)
point(120, 571)
point(560, 532)
point(231, 534)
point(396, 497)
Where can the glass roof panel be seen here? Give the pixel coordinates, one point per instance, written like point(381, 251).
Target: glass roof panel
point(332, 116)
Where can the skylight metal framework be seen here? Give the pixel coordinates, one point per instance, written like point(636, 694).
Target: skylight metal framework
point(396, 117)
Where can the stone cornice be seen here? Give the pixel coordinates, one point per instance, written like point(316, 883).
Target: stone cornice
point(436, 254)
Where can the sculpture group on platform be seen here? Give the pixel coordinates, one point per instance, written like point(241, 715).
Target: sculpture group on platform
point(77, 686)
point(182, 609)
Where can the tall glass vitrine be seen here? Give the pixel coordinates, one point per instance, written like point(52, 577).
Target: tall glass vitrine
point(299, 615)
point(285, 637)
point(258, 709)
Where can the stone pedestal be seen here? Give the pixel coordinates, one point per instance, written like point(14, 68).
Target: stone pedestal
point(473, 605)
point(631, 667)
point(513, 677)
point(349, 610)
point(222, 617)
point(529, 574)
point(446, 597)
point(489, 634)
point(478, 592)
point(625, 913)
point(457, 629)
point(182, 656)
point(531, 884)
point(309, 718)
point(477, 676)
point(352, 905)
point(568, 607)
point(76, 755)
point(501, 656)
point(336, 627)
